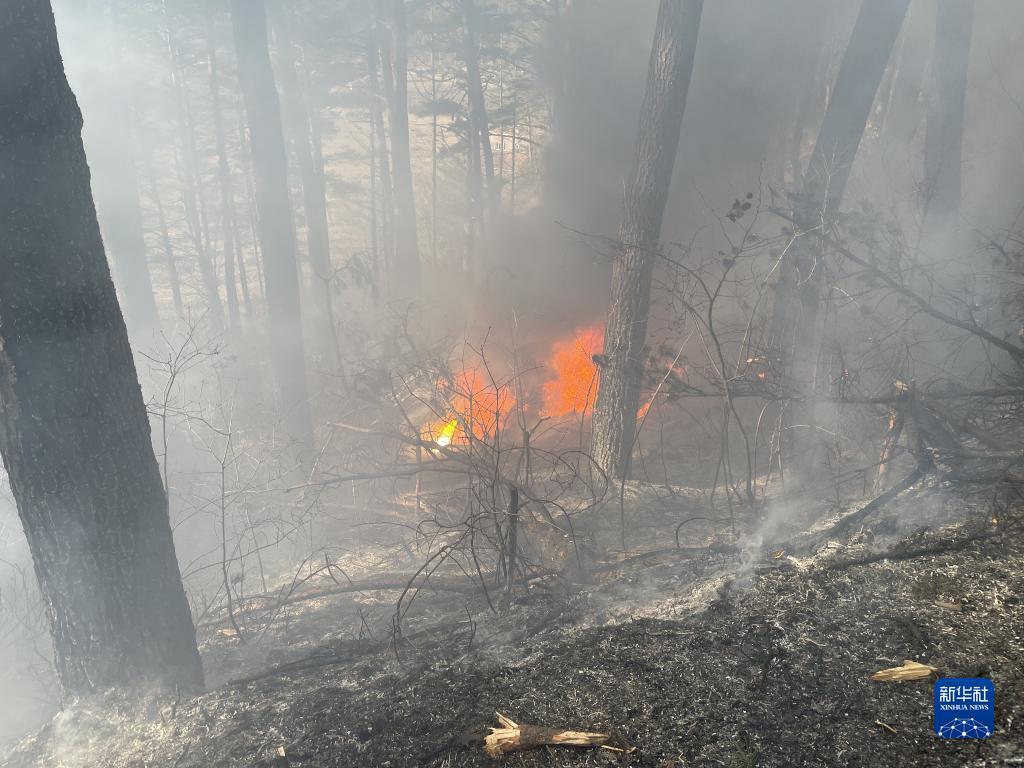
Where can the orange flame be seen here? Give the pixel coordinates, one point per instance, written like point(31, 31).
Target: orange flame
point(476, 406)
point(573, 387)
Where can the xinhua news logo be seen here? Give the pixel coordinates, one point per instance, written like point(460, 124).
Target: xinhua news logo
point(965, 708)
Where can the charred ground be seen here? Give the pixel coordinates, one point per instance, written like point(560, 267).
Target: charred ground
point(752, 656)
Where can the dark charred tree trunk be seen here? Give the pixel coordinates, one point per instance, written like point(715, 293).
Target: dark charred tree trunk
point(74, 434)
point(945, 126)
point(299, 124)
point(478, 118)
point(661, 117)
point(406, 267)
point(227, 198)
point(795, 325)
point(276, 228)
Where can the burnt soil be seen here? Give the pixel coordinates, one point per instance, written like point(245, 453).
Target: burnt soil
point(708, 661)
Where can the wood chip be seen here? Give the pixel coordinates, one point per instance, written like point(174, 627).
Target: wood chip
point(911, 670)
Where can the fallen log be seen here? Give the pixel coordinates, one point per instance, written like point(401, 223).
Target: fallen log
point(513, 737)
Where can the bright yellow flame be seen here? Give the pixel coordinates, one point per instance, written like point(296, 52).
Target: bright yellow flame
point(446, 435)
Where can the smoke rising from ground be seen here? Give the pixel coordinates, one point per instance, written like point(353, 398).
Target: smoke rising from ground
point(762, 79)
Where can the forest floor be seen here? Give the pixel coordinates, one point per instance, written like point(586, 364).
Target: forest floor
point(739, 657)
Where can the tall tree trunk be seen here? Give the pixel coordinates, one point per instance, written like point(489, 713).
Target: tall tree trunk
point(478, 118)
point(661, 117)
point(381, 97)
point(74, 434)
point(797, 334)
point(227, 198)
point(298, 122)
point(406, 269)
point(945, 127)
point(276, 228)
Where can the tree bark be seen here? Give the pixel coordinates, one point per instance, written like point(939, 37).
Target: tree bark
point(406, 269)
point(276, 228)
point(74, 435)
point(945, 127)
point(661, 116)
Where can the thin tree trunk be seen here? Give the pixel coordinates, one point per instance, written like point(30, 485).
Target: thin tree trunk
point(406, 269)
point(661, 116)
point(193, 198)
point(276, 229)
point(250, 202)
point(798, 334)
point(374, 239)
point(943, 147)
point(381, 96)
point(243, 271)
point(227, 199)
point(479, 120)
point(433, 141)
point(165, 240)
point(314, 192)
point(74, 434)
point(474, 199)
point(512, 179)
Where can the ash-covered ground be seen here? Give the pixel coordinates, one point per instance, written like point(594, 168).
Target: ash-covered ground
point(738, 656)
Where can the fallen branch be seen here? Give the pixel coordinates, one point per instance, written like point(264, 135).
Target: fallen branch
point(268, 602)
point(512, 737)
point(845, 523)
point(938, 548)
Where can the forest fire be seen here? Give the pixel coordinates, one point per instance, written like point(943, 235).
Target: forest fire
point(573, 387)
point(347, 398)
point(476, 404)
